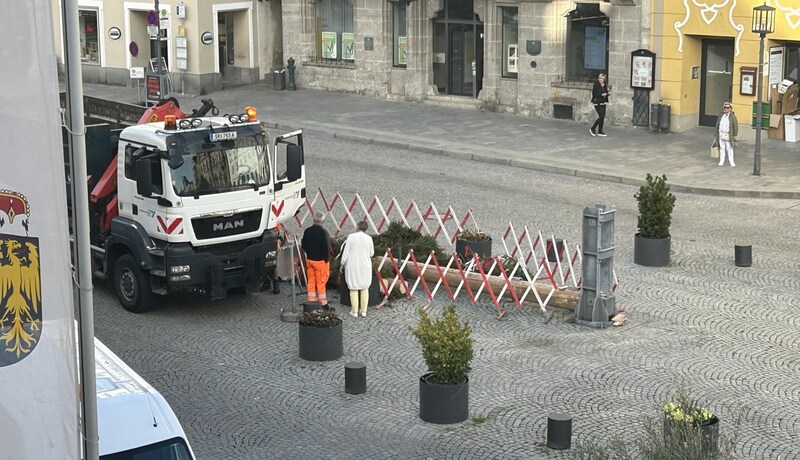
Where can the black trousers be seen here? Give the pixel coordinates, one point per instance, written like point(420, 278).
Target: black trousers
point(601, 118)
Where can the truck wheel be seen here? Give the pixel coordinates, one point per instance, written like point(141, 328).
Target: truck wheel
point(132, 285)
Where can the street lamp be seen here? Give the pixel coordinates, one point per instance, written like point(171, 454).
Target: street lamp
point(763, 24)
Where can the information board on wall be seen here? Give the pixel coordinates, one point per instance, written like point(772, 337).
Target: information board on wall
point(775, 65)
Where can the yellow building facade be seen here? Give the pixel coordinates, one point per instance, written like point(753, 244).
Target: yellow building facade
point(707, 54)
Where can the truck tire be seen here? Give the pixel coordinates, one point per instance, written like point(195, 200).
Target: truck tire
point(132, 285)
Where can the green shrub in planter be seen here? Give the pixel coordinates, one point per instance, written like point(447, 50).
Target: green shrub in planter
point(447, 345)
point(401, 238)
point(656, 203)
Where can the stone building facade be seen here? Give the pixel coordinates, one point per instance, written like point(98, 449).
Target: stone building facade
point(531, 57)
point(205, 44)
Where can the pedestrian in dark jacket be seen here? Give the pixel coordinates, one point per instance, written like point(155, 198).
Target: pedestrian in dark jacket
point(317, 246)
point(600, 94)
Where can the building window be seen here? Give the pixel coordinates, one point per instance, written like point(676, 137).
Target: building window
point(335, 37)
point(510, 42)
point(400, 33)
point(792, 69)
point(587, 43)
point(90, 44)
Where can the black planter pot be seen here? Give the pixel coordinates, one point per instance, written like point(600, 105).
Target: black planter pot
point(375, 296)
point(321, 343)
point(651, 252)
point(443, 404)
point(701, 437)
point(482, 248)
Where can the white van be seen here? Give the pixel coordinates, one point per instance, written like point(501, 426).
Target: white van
point(134, 420)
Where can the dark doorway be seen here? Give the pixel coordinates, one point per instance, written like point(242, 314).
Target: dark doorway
point(716, 83)
point(458, 50)
point(225, 41)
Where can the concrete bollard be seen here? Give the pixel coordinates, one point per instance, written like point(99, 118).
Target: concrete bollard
point(559, 430)
point(355, 378)
point(743, 255)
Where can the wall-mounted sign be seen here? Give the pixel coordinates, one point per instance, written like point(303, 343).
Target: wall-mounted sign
point(775, 65)
point(747, 85)
point(643, 69)
point(114, 33)
point(180, 10)
point(207, 38)
point(533, 47)
point(134, 49)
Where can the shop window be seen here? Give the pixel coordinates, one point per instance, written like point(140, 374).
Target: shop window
point(587, 43)
point(510, 41)
point(792, 69)
point(400, 33)
point(90, 44)
point(335, 37)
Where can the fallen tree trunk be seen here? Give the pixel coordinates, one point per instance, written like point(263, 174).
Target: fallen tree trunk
point(565, 298)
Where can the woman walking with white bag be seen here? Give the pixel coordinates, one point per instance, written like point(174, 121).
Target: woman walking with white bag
point(725, 133)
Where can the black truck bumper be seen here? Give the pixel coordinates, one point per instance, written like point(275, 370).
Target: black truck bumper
point(220, 268)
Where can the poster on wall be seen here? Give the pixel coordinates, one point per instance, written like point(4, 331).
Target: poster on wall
point(594, 49)
point(348, 46)
point(402, 50)
point(329, 45)
point(775, 65)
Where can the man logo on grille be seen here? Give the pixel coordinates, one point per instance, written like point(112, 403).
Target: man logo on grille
point(20, 282)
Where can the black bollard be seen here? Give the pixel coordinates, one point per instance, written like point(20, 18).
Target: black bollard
point(554, 249)
point(355, 378)
point(559, 430)
point(743, 255)
point(311, 306)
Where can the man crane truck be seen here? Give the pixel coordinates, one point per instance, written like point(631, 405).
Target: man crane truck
point(190, 202)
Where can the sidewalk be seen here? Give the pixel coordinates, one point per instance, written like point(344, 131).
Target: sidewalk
point(558, 146)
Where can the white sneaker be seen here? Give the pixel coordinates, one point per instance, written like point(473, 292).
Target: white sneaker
point(733, 165)
point(602, 134)
point(721, 164)
point(363, 314)
point(591, 131)
point(354, 314)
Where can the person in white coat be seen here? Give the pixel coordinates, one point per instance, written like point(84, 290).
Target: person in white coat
point(357, 266)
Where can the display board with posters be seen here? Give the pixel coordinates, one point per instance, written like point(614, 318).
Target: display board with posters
point(643, 69)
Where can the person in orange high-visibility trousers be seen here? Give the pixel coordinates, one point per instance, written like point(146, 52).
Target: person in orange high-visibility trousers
point(317, 246)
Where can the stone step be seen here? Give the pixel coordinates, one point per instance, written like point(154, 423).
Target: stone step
point(454, 102)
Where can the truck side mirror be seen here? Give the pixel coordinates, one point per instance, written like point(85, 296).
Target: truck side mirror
point(294, 162)
point(144, 181)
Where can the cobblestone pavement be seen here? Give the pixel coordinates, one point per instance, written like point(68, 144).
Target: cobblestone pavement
point(730, 335)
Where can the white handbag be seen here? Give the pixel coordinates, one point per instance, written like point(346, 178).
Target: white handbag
point(724, 136)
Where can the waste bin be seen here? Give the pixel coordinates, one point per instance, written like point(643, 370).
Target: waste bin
point(663, 116)
point(791, 125)
point(279, 79)
point(654, 115)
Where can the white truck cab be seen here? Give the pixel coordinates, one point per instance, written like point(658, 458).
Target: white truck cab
point(134, 421)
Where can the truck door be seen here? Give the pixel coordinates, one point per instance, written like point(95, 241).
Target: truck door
point(288, 170)
point(133, 203)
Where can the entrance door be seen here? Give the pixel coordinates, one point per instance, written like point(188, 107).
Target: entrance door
point(465, 59)
point(225, 41)
point(716, 84)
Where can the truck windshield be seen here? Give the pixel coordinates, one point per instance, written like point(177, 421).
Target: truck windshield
point(173, 449)
point(217, 171)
